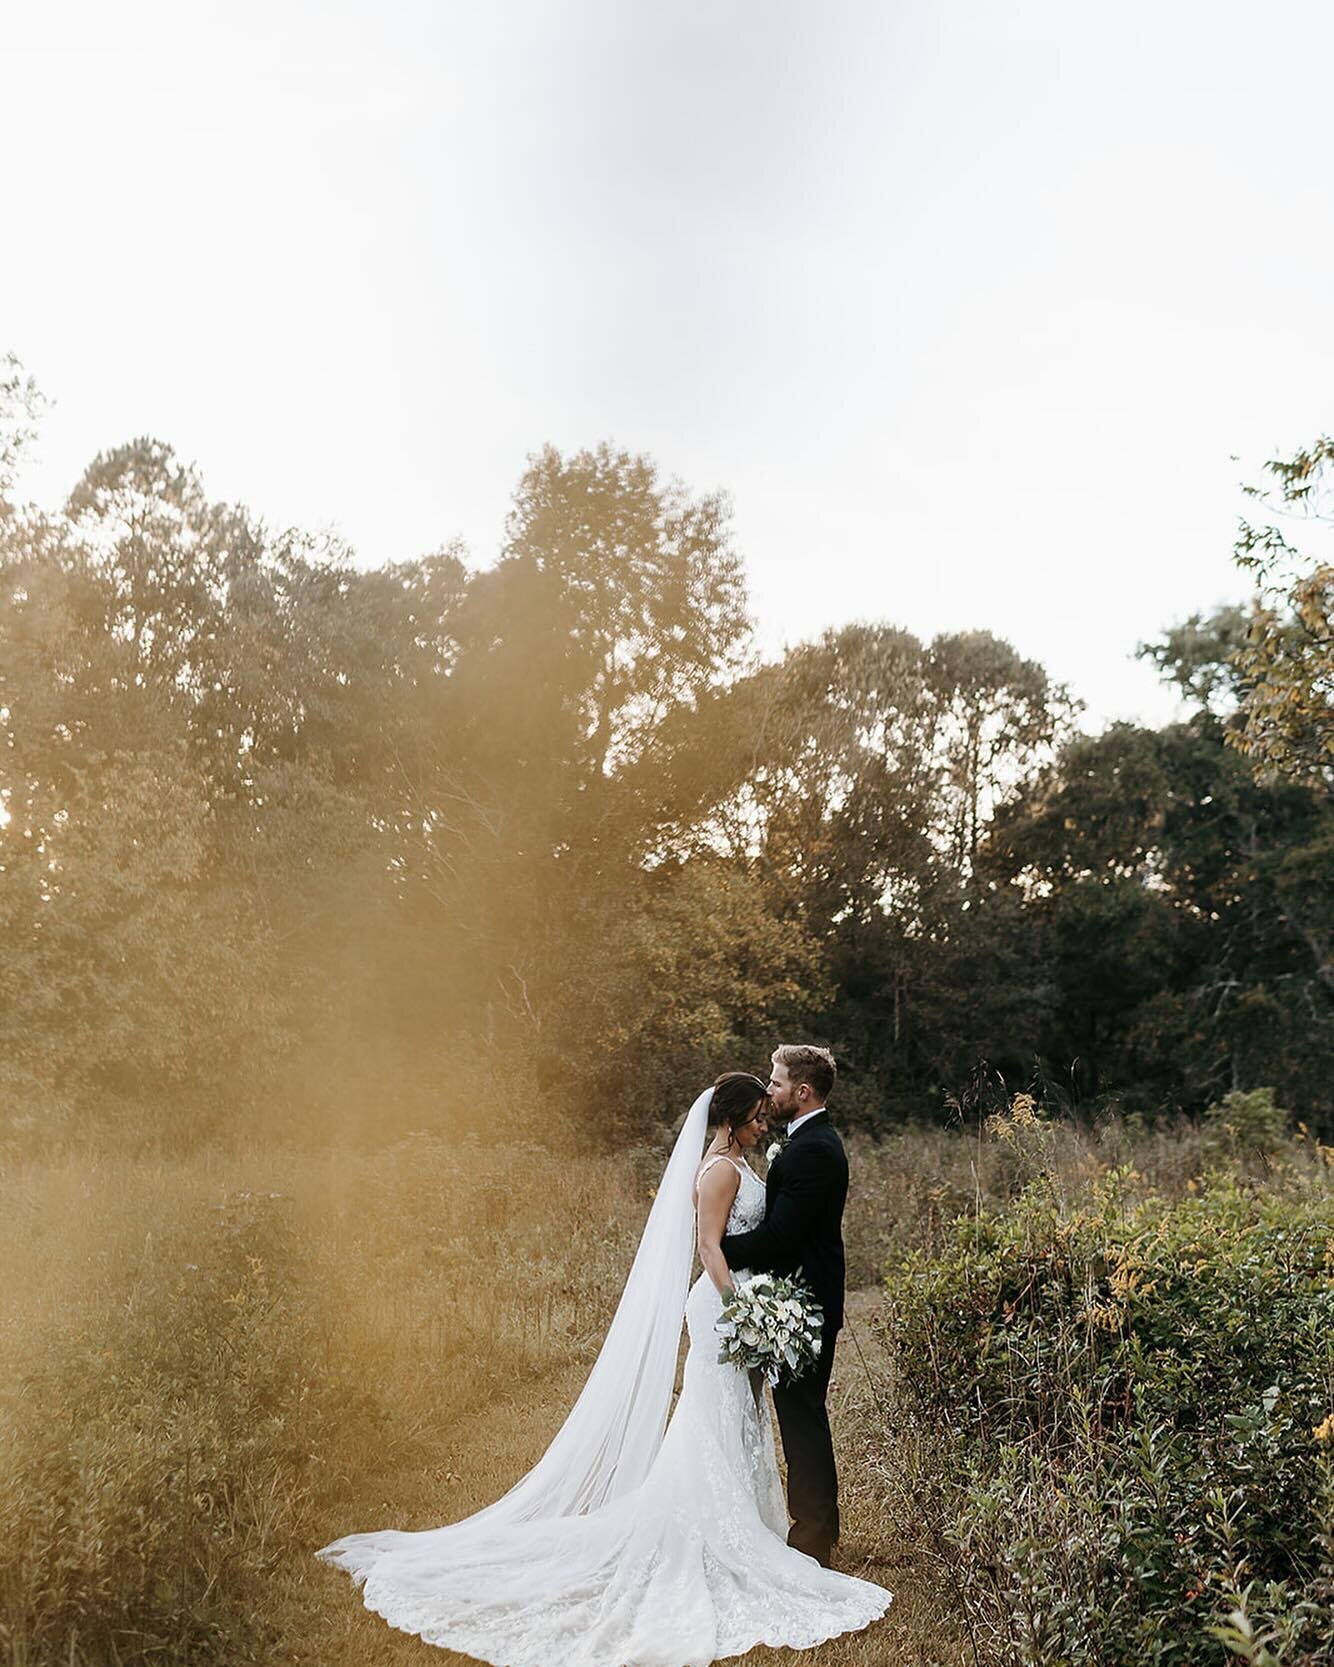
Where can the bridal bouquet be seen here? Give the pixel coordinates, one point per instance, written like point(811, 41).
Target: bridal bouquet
point(771, 1323)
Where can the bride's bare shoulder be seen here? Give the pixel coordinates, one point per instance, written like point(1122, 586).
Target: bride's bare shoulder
point(717, 1176)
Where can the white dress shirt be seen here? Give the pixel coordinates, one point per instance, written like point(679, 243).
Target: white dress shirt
point(796, 1122)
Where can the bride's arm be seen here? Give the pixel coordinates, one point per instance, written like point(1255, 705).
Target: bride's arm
point(717, 1189)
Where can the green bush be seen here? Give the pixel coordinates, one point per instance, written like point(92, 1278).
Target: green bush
point(1247, 1125)
point(1132, 1401)
point(157, 1466)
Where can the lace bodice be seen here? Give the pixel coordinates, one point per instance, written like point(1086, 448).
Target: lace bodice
point(748, 1206)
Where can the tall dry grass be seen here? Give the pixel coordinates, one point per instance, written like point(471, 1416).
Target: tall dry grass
point(211, 1365)
point(205, 1363)
point(908, 1186)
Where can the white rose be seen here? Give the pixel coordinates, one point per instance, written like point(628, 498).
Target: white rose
point(774, 1150)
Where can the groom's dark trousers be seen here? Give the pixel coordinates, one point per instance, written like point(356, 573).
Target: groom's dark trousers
point(802, 1233)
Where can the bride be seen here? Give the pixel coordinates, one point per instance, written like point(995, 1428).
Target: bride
point(627, 1545)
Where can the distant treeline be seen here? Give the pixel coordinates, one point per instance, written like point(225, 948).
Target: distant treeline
point(294, 843)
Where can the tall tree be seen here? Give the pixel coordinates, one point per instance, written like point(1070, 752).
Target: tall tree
point(999, 715)
point(1155, 877)
point(647, 592)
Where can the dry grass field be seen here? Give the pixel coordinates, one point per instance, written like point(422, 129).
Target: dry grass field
point(211, 1365)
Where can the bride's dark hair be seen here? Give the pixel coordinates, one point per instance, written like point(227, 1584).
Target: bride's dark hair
point(735, 1096)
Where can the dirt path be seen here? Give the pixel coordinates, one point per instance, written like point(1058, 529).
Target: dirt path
point(327, 1625)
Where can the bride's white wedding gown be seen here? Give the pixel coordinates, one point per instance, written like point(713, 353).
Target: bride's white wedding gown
point(690, 1566)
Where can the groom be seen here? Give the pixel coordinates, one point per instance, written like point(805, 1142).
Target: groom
point(802, 1233)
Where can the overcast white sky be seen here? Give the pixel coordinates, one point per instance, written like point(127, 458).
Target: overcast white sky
point(967, 304)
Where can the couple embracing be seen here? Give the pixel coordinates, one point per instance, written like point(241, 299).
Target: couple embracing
point(643, 1541)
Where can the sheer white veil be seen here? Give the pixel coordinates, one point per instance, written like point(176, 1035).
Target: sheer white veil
point(612, 1435)
point(613, 1432)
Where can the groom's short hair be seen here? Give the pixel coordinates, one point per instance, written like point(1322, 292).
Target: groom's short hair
point(809, 1064)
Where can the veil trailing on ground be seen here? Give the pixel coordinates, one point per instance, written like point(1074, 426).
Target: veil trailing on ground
point(605, 1447)
point(612, 1435)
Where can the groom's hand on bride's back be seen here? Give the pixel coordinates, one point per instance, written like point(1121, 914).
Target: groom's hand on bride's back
point(802, 1193)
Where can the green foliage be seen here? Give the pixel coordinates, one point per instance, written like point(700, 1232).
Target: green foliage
point(159, 1462)
point(109, 919)
point(289, 837)
point(1286, 662)
point(1178, 912)
point(1131, 1396)
point(664, 982)
point(1248, 1125)
point(1200, 656)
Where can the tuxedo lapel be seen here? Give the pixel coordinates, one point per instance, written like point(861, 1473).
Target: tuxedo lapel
point(817, 1120)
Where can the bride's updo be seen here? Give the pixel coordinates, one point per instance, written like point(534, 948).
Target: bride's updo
point(735, 1096)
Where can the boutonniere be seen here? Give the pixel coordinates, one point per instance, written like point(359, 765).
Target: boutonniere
point(776, 1146)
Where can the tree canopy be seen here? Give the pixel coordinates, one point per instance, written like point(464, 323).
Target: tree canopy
point(292, 838)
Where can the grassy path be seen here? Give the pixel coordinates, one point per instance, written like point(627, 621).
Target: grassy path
point(324, 1623)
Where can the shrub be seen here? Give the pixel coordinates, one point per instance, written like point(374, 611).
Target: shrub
point(1247, 1125)
point(157, 1463)
point(1133, 1397)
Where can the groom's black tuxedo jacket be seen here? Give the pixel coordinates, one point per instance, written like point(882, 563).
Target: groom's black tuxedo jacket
point(802, 1228)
